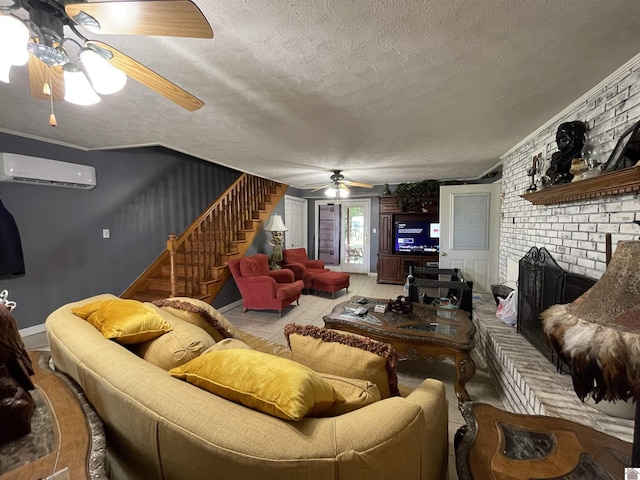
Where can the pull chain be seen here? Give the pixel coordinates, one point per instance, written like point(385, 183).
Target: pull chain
point(47, 90)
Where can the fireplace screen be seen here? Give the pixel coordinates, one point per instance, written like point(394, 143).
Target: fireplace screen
point(542, 283)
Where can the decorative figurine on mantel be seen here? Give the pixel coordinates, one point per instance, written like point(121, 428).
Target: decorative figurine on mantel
point(16, 404)
point(570, 140)
point(536, 164)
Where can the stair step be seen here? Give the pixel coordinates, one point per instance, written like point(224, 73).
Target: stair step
point(164, 284)
point(149, 296)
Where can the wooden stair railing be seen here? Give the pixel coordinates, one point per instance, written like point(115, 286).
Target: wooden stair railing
point(194, 263)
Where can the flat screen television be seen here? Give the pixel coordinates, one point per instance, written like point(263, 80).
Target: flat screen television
point(416, 237)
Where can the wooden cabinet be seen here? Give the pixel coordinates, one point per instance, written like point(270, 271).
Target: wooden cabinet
point(385, 239)
point(394, 267)
point(389, 269)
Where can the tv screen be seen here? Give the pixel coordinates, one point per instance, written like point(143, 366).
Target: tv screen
point(416, 237)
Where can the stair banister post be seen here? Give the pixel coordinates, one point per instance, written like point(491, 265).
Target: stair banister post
point(171, 247)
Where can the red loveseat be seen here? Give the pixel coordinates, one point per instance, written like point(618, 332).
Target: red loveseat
point(296, 260)
point(262, 289)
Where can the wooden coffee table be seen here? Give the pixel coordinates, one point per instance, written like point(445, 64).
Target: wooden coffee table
point(427, 333)
point(507, 446)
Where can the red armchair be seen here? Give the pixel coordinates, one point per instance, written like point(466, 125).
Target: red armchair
point(296, 260)
point(262, 289)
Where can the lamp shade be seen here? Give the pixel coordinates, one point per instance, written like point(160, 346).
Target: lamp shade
point(14, 36)
point(598, 334)
point(275, 224)
point(105, 78)
point(5, 67)
point(77, 88)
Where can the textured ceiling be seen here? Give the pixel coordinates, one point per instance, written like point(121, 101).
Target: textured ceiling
point(385, 90)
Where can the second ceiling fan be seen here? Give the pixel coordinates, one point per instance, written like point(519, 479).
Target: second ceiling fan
point(339, 187)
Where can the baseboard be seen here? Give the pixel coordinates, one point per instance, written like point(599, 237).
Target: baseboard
point(25, 332)
point(230, 306)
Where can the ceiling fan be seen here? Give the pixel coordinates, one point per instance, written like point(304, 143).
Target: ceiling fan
point(40, 40)
point(338, 186)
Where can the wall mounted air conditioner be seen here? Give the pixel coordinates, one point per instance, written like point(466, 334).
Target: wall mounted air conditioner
point(41, 171)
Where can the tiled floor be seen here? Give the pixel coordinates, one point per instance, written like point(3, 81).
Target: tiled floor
point(312, 308)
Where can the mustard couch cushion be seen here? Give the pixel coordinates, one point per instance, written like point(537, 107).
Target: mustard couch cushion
point(201, 314)
point(125, 321)
point(344, 354)
point(183, 343)
point(356, 393)
point(228, 344)
point(264, 382)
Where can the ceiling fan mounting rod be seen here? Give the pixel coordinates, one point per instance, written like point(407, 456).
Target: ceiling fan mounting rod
point(51, 7)
point(10, 8)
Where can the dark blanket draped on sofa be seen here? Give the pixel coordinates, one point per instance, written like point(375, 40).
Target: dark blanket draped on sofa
point(11, 259)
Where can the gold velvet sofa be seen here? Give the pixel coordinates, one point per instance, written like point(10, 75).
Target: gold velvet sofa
point(160, 427)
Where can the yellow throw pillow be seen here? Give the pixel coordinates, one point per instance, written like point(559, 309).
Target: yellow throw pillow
point(83, 311)
point(264, 382)
point(356, 393)
point(201, 314)
point(344, 354)
point(183, 343)
point(125, 321)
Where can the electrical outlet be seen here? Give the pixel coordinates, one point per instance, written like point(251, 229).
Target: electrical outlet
point(106, 233)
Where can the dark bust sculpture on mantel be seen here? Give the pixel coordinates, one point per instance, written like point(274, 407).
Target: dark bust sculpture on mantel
point(570, 140)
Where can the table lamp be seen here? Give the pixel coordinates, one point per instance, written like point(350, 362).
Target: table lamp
point(276, 226)
point(598, 335)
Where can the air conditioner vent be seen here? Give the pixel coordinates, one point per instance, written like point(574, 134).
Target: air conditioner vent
point(41, 171)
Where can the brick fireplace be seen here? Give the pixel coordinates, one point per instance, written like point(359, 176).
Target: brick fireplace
point(573, 234)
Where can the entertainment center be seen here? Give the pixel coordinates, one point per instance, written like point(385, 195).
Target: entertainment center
point(406, 239)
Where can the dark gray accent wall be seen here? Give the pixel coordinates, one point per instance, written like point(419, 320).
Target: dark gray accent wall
point(142, 196)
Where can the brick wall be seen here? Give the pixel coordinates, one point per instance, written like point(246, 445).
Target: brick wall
point(574, 233)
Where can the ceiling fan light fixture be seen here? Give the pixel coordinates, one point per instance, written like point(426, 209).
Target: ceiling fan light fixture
point(343, 193)
point(14, 37)
point(331, 192)
point(105, 78)
point(77, 88)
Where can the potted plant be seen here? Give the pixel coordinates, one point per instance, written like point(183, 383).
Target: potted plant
point(414, 196)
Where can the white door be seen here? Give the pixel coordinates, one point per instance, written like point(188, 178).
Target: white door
point(296, 220)
point(470, 232)
point(354, 234)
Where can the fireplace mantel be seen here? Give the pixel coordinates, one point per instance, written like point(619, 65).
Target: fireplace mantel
point(626, 180)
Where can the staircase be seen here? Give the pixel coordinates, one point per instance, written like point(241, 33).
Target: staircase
point(195, 262)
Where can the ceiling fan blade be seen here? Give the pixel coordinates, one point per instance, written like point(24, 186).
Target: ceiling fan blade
point(169, 18)
point(357, 184)
point(319, 188)
point(344, 187)
point(151, 79)
point(39, 74)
